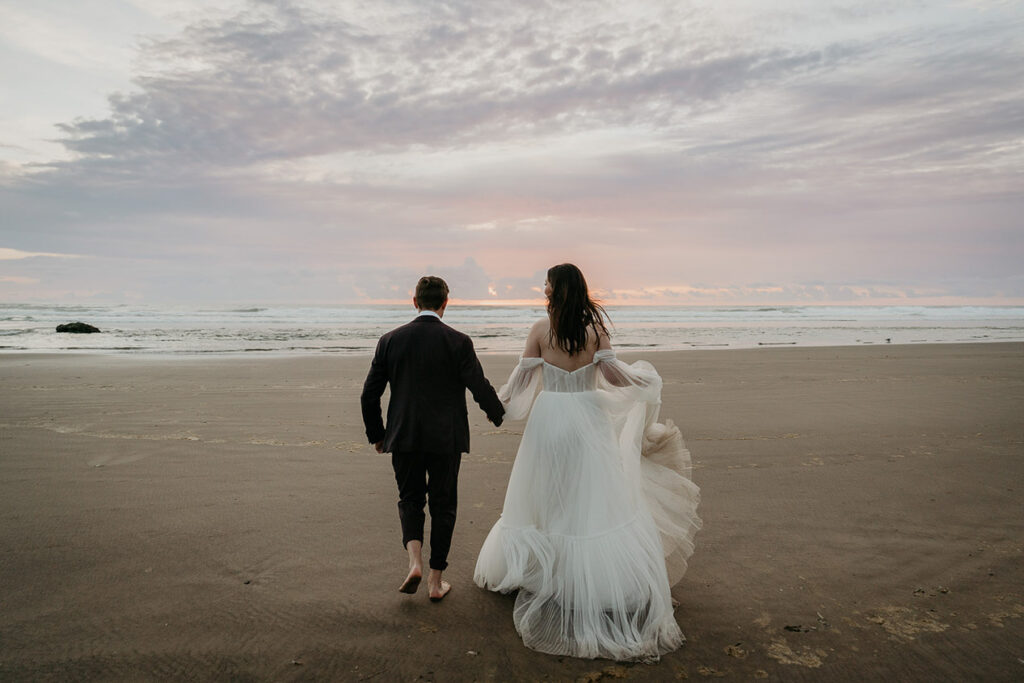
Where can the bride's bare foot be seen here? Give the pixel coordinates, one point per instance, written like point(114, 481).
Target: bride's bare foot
point(438, 588)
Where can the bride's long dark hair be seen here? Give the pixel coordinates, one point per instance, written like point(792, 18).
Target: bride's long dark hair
point(571, 309)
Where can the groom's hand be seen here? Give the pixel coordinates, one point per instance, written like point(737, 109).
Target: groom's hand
point(379, 446)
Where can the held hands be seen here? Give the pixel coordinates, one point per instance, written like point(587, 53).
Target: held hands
point(379, 446)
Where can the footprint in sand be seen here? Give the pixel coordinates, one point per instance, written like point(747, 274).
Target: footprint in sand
point(903, 623)
point(780, 651)
point(996, 618)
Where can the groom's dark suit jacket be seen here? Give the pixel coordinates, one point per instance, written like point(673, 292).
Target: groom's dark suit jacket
point(429, 366)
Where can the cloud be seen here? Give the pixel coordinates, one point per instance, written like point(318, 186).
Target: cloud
point(15, 279)
point(466, 280)
point(284, 80)
point(7, 254)
point(60, 32)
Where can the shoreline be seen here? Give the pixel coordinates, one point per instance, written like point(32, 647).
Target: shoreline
point(274, 354)
point(225, 518)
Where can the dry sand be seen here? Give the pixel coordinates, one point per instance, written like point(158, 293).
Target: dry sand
point(222, 519)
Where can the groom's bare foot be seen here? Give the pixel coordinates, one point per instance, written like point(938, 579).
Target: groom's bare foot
point(437, 588)
point(437, 595)
point(412, 582)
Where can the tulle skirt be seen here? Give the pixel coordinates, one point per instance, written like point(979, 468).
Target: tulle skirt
point(598, 523)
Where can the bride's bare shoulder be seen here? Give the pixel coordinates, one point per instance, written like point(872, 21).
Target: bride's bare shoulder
point(538, 332)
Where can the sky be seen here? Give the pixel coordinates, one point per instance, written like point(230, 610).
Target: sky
point(680, 152)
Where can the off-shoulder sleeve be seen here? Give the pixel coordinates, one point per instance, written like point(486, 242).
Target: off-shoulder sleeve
point(518, 392)
point(639, 380)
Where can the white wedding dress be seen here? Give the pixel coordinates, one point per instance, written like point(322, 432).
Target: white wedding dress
point(599, 515)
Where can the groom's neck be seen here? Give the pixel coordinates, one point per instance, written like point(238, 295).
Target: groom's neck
point(439, 313)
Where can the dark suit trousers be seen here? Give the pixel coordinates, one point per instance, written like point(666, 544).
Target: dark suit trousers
point(428, 478)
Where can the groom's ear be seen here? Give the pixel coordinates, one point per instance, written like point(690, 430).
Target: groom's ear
point(416, 303)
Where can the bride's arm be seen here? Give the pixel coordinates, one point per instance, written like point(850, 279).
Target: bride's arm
point(517, 394)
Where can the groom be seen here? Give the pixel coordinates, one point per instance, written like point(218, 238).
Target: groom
point(429, 366)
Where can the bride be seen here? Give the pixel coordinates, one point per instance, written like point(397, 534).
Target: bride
point(600, 512)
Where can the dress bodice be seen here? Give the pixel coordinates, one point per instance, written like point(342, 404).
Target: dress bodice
point(604, 372)
point(562, 381)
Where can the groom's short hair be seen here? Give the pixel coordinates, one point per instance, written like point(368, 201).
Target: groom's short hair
point(431, 292)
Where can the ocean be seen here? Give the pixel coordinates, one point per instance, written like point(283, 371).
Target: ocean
point(354, 329)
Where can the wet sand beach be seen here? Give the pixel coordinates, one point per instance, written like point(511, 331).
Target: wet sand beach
point(174, 518)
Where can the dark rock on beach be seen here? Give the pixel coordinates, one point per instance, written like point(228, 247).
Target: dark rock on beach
point(77, 328)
